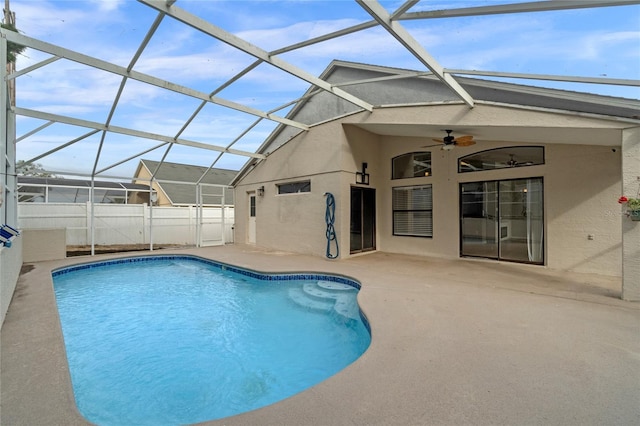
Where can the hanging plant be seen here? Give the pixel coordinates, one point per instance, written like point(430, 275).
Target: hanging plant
point(633, 206)
point(13, 49)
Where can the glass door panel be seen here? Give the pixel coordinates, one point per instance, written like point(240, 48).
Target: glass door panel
point(521, 220)
point(363, 219)
point(369, 219)
point(479, 219)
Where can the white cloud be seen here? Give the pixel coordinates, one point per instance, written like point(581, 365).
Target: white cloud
point(277, 37)
point(193, 67)
point(44, 20)
point(107, 5)
point(594, 46)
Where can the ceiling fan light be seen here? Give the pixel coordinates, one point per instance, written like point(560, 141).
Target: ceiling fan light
point(448, 147)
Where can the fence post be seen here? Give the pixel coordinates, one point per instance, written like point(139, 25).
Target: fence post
point(151, 228)
point(198, 215)
point(223, 224)
point(192, 230)
point(87, 223)
point(144, 223)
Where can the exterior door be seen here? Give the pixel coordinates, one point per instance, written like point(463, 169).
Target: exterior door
point(363, 219)
point(251, 225)
point(503, 220)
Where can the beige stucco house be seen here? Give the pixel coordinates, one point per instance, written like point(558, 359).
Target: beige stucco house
point(540, 184)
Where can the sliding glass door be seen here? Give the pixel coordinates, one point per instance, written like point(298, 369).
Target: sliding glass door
point(503, 220)
point(363, 219)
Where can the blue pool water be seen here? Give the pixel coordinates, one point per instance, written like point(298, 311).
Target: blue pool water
point(176, 340)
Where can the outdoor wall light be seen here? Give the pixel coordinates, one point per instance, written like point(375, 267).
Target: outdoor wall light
point(362, 177)
point(261, 191)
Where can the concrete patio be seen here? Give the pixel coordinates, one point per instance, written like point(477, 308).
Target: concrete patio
point(454, 342)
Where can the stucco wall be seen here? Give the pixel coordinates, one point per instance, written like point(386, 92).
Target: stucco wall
point(631, 229)
point(581, 184)
point(10, 265)
point(582, 217)
point(360, 147)
point(445, 205)
point(296, 222)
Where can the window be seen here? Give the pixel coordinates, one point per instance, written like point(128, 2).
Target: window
point(414, 164)
point(412, 211)
point(252, 206)
point(502, 158)
point(294, 187)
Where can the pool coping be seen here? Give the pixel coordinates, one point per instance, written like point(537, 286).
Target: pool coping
point(263, 276)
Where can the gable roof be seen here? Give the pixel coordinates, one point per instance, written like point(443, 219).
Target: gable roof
point(189, 173)
point(387, 86)
point(170, 174)
point(384, 86)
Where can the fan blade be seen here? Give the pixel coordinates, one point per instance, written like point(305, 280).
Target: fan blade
point(463, 139)
point(438, 140)
point(467, 143)
point(431, 146)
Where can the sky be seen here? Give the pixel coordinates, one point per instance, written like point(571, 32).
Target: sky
point(600, 42)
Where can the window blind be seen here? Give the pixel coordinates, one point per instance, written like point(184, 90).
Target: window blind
point(413, 211)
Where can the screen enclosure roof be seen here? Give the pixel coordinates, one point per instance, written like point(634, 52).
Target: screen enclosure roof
point(206, 83)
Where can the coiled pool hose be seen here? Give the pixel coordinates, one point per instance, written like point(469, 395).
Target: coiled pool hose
point(330, 217)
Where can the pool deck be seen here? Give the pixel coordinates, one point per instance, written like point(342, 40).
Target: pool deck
point(454, 342)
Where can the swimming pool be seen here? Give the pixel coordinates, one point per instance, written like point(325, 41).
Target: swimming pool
point(165, 340)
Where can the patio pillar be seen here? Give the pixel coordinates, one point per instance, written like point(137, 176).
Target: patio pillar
point(631, 229)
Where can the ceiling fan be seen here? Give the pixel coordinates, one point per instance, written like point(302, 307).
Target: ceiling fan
point(515, 163)
point(449, 142)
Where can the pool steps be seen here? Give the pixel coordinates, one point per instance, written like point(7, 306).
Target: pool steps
point(325, 296)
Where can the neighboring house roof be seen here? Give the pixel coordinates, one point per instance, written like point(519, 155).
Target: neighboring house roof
point(387, 87)
point(180, 194)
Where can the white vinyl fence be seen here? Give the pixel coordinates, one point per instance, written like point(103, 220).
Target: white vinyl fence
point(125, 224)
